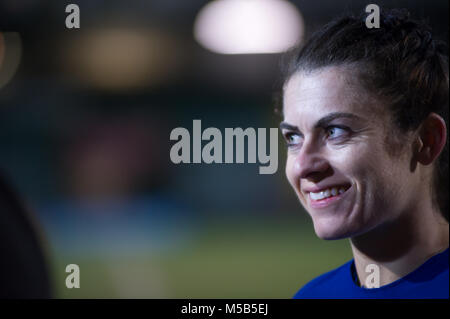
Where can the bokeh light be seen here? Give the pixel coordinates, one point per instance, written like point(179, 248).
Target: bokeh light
point(10, 55)
point(248, 26)
point(120, 58)
point(2, 49)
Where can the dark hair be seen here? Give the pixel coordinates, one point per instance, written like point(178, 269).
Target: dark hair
point(399, 62)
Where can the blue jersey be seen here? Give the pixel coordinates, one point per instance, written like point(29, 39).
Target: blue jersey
point(430, 280)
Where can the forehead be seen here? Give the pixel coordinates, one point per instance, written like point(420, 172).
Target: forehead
point(310, 96)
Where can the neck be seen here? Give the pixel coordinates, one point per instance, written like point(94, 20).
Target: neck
point(400, 246)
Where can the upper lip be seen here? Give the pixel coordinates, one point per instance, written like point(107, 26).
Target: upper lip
point(316, 189)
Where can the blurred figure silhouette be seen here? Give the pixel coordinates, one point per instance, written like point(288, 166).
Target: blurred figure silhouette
point(23, 269)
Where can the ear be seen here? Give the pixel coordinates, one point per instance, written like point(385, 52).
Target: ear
point(432, 136)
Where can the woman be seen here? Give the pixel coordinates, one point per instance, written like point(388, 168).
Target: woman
point(364, 118)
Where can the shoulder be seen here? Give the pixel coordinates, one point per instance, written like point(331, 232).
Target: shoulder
point(324, 285)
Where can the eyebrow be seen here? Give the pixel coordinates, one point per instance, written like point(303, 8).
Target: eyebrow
point(323, 122)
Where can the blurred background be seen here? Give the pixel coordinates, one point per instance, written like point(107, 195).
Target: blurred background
point(85, 119)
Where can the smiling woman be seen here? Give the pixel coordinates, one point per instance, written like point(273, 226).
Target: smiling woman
point(364, 122)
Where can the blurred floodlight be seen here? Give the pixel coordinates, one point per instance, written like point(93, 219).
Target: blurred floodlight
point(2, 49)
point(121, 58)
point(248, 26)
point(10, 54)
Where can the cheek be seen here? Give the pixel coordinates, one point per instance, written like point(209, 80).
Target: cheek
point(395, 179)
point(380, 178)
point(351, 160)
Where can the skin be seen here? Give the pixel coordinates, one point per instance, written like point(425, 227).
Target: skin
point(339, 135)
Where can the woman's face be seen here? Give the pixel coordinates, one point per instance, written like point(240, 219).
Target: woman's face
point(338, 161)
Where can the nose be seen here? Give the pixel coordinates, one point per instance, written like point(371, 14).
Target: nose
point(310, 164)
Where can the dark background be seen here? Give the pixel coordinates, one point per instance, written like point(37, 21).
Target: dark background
point(88, 151)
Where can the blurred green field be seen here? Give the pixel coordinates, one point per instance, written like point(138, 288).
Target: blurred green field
point(227, 259)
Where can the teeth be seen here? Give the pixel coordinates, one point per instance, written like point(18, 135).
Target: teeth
point(327, 193)
point(334, 191)
point(316, 196)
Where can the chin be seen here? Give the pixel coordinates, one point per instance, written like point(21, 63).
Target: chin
point(332, 231)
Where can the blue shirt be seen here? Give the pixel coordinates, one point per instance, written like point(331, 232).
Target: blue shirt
point(430, 280)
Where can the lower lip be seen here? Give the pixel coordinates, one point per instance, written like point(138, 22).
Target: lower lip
point(321, 203)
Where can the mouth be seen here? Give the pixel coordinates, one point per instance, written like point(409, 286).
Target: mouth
point(328, 196)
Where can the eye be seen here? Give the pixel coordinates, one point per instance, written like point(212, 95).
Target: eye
point(292, 138)
point(336, 132)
